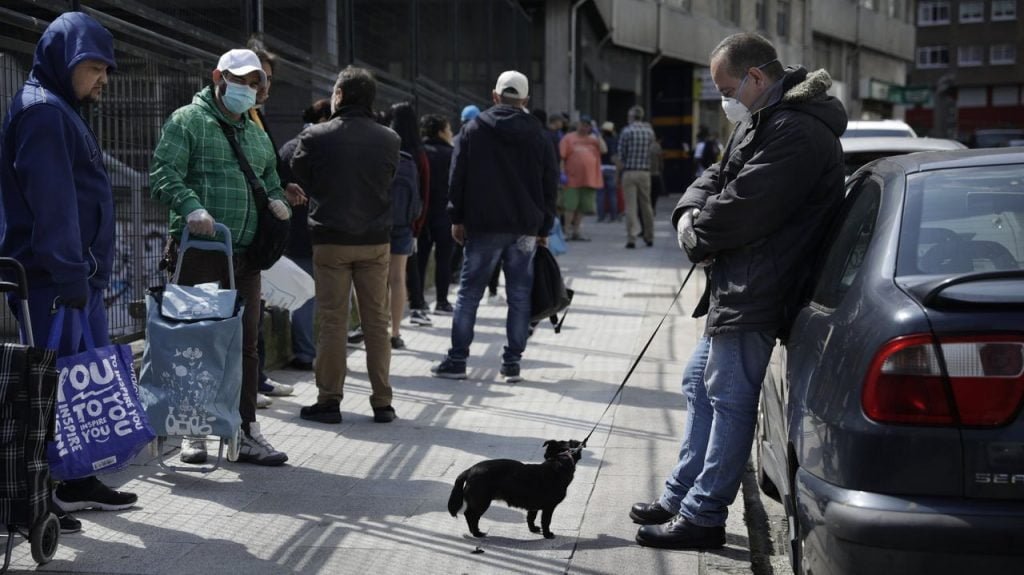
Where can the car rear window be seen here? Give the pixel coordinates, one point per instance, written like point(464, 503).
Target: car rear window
point(963, 220)
point(878, 133)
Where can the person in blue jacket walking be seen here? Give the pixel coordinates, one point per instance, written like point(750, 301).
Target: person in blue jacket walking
point(57, 208)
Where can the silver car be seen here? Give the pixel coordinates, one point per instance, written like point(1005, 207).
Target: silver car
point(891, 422)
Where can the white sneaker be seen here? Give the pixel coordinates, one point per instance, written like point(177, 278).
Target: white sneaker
point(262, 401)
point(193, 450)
point(276, 388)
point(254, 448)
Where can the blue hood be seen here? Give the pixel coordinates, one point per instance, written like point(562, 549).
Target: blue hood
point(68, 40)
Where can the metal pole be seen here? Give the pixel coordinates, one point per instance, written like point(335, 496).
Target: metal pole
point(573, 56)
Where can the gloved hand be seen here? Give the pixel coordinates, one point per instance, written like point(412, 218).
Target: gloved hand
point(200, 223)
point(684, 227)
point(279, 209)
point(73, 295)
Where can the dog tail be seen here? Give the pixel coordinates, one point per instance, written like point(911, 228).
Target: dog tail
point(455, 499)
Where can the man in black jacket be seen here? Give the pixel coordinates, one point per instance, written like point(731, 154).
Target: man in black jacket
point(501, 201)
point(346, 166)
point(754, 220)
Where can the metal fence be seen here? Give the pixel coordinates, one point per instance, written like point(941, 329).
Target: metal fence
point(439, 54)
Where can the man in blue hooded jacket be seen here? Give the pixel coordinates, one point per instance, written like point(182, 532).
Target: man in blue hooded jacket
point(56, 205)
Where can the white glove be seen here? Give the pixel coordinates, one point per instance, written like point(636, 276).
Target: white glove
point(200, 223)
point(685, 235)
point(279, 209)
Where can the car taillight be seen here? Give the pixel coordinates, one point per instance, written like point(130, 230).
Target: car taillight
point(906, 384)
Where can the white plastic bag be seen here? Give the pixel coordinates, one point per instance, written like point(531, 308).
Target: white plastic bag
point(286, 285)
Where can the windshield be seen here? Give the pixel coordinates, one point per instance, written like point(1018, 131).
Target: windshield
point(963, 220)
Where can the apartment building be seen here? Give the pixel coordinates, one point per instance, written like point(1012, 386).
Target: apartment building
point(967, 53)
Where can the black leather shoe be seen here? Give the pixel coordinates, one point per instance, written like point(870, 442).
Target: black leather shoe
point(650, 513)
point(322, 412)
point(681, 534)
point(384, 414)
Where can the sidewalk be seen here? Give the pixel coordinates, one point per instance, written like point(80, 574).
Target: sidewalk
point(362, 497)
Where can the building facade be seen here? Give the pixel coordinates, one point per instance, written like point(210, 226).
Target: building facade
point(967, 55)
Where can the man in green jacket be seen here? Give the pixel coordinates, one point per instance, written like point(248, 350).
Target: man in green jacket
point(197, 175)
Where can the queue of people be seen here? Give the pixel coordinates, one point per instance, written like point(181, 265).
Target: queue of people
point(370, 197)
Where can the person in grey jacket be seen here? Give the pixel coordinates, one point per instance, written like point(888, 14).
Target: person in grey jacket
point(753, 221)
point(346, 165)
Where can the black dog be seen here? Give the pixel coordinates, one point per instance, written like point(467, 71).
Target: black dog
point(533, 487)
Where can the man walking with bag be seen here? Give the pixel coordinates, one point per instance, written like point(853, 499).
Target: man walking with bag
point(57, 210)
point(198, 175)
point(501, 201)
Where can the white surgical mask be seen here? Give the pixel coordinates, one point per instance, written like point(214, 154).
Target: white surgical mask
point(238, 98)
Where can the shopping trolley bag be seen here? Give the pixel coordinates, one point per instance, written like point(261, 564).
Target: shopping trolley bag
point(28, 380)
point(191, 375)
point(101, 425)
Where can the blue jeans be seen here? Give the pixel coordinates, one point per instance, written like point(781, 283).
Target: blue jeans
point(607, 201)
point(482, 252)
point(722, 385)
point(303, 344)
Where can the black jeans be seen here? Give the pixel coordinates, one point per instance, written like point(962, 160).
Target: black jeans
point(437, 234)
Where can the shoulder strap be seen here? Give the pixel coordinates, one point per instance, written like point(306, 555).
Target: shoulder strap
point(255, 185)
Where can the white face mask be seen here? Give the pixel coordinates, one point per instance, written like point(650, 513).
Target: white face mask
point(735, 110)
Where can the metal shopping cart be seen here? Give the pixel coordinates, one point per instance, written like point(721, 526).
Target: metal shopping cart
point(28, 383)
point(191, 376)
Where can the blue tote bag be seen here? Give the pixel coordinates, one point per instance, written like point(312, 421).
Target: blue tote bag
point(101, 424)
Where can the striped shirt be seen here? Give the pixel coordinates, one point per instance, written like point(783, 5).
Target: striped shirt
point(635, 146)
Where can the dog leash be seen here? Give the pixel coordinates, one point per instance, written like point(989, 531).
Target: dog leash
point(636, 362)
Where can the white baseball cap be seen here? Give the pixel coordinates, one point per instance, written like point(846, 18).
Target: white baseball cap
point(241, 62)
point(513, 81)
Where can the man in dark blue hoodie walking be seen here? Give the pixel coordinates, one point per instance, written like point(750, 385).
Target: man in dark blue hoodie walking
point(501, 201)
point(56, 205)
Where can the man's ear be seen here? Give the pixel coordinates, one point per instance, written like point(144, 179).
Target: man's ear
point(216, 76)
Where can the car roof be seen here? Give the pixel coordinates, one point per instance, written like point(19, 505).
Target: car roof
point(926, 161)
point(898, 145)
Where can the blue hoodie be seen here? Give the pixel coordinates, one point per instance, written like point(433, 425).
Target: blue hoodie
point(56, 206)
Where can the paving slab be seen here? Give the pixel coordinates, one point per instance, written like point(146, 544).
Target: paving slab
point(361, 497)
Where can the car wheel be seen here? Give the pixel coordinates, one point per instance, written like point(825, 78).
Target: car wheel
point(763, 481)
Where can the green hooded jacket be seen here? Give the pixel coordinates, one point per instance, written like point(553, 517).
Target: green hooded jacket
point(194, 167)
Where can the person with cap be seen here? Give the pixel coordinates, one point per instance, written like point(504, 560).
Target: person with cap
point(607, 196)
point(57, 207)
point(635, 174)
point(501, 201)
point(580, 152)
point(196, 174)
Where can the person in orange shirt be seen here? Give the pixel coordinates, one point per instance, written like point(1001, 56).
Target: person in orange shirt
point(581, 161)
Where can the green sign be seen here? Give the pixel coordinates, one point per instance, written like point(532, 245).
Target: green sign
point(910, 94)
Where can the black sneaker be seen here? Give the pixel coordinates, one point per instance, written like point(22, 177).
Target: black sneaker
point(301, 365)
point(650, 513)
point(630, 245)
point(68, 523)
point(397, 342)
point(510, 371)
point(356, 336)
point(90, 493)
point(322, 412)
point(384, 414)
point(650, 243)
point(443, 307)
point(449, 369)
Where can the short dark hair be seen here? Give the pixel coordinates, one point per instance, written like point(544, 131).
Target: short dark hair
point(746, 50)
point(358, 87)
point(319, 110)
point(432, 124)
point(511, 99)
point(635, 113)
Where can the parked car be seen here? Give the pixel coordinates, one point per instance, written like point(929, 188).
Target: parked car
point(891, 423)
point(859, 151)
point(879, 129)
point(996, 137)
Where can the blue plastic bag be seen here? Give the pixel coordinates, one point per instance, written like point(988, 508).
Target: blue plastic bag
point(556, 239)
point(101, 424)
